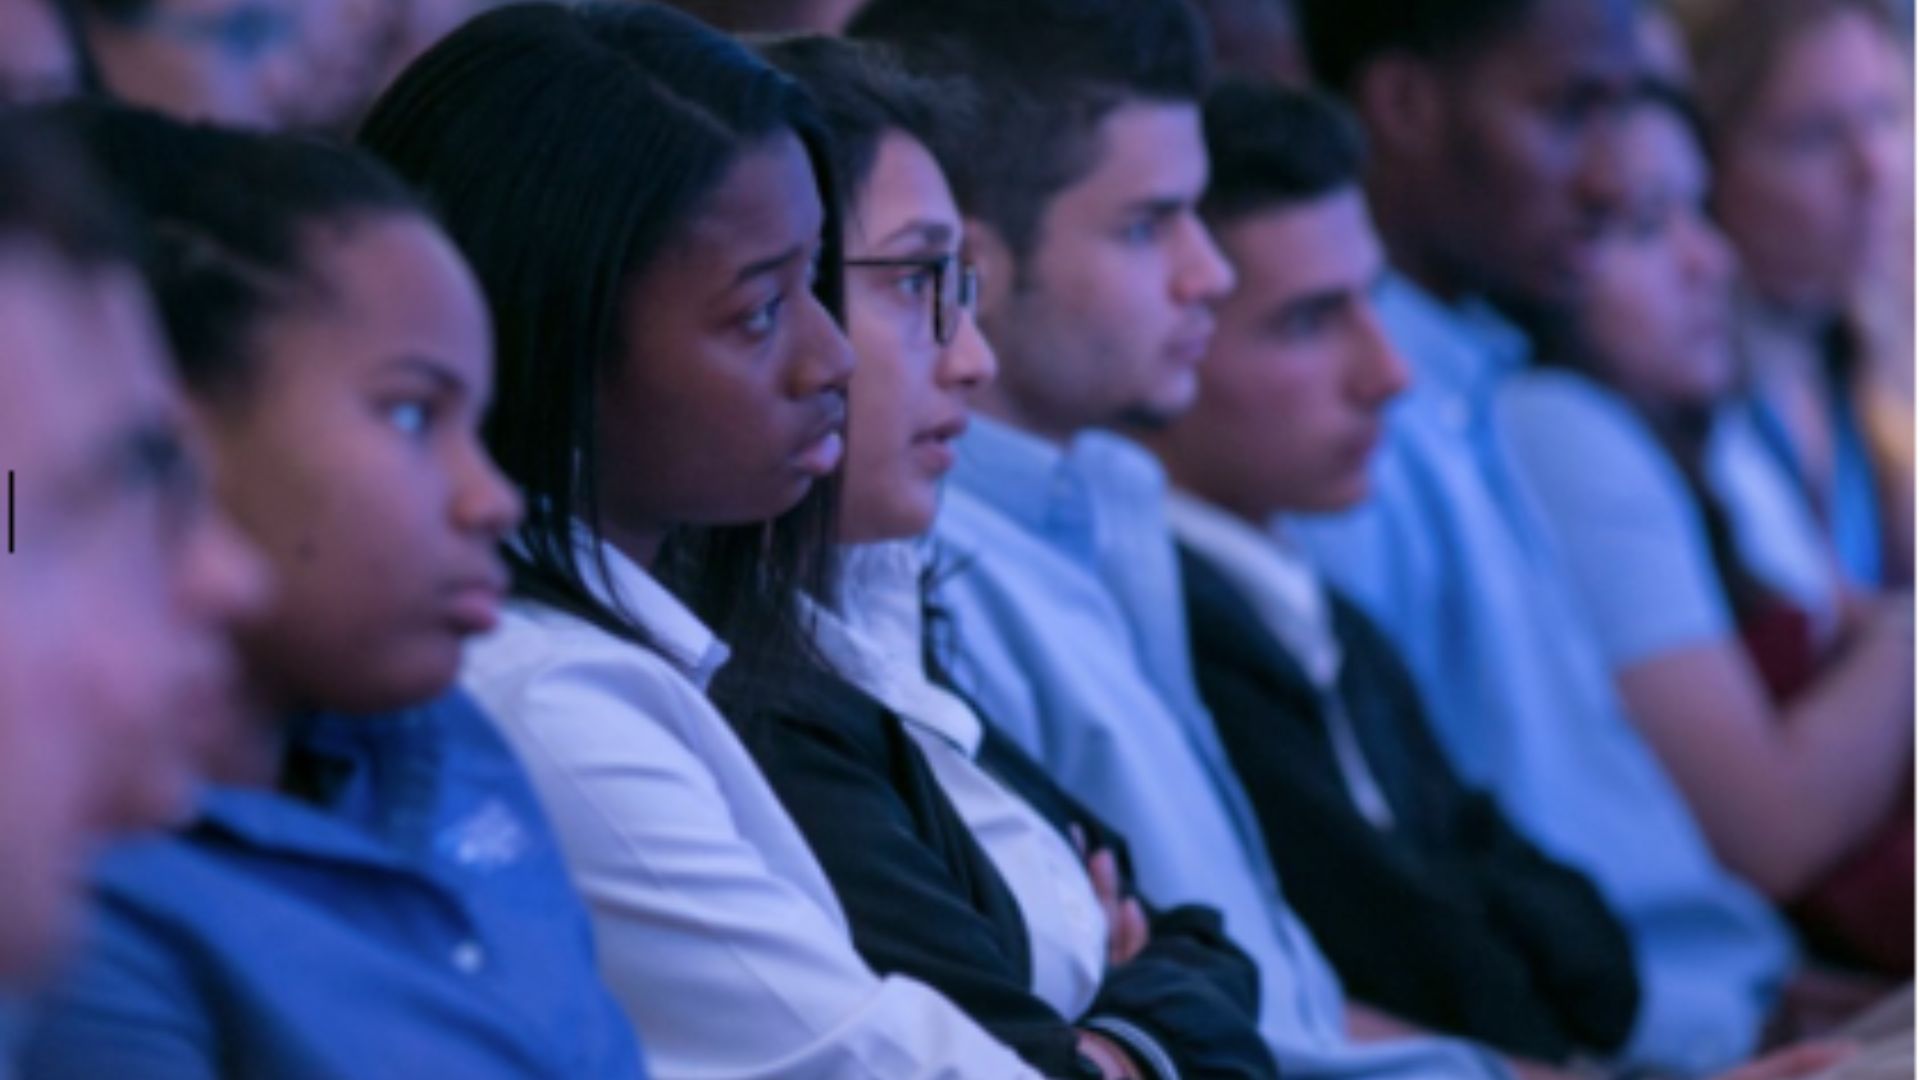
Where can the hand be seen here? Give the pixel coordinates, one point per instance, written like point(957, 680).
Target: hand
point(1113, 1061)
point(1127, 931)
point(1794, 1062)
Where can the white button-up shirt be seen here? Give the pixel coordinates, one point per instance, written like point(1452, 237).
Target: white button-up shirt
point(716, 928)
point(876, 641)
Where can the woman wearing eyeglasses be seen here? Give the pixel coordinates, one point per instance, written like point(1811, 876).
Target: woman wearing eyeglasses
point(957, 861)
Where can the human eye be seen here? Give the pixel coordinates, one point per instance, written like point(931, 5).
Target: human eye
point(411, 417)
point(762, 321)
point(916, 282)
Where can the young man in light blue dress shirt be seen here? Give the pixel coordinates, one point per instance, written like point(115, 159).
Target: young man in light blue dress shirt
point(1065, 596)
point(1481, 115)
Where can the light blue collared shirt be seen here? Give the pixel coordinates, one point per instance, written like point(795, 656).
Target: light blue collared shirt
point(1453, 558)
point(1063, 586)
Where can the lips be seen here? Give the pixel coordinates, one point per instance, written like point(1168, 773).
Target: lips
point(826, 443)
point(472, 605)
point(1191, 346)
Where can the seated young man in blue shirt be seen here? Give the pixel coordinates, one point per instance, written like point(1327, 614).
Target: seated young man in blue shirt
point(1080, 180)
point(1427, 901)
point(1482, 118)
point(369, 888)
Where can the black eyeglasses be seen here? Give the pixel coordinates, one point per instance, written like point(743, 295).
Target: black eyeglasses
point(956, 288)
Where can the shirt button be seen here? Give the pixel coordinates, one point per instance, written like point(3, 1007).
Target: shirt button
point(468, 958)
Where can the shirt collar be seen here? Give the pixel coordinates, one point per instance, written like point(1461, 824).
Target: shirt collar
point(671, 627)
point(1049, 489)
point(1462, 348)
point(1272, 574)
point(390, 769)
point(876, 639)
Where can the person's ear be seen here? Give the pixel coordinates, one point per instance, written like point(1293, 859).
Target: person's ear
point(990, 253)
point(1400, 97)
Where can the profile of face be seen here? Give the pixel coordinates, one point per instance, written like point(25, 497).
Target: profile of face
point(1292, 391)
point(38, 62)
point(729, 399)
point(234, 62)
point(1107, 318)
point(908, 400)
point(117, 600)
point(353, 460)
point(1811, 179)
point(1513, 128)
point(1654, 309)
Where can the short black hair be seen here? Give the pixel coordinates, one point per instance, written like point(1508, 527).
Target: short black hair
point(1274, 146)
point(863, 93)
point(51, 199)
point(1046, 74)
point(225, 222)
point(1343, 37)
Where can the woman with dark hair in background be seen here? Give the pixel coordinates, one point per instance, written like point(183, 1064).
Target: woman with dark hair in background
point(651, 211)
point(1793, 745)
point(958, 859)
point(369, 885)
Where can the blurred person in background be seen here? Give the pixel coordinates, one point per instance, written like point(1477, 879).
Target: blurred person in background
point(231, 62)
point(1483, 117)
point(1255, 39)
point(41, 57)
point(1793, 747)
point(119, 583)
point(1807, 106)
point(1429, 902)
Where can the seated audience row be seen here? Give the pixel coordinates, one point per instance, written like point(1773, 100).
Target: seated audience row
point(1332, 650)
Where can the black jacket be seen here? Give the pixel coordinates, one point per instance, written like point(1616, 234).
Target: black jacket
point(924, 900)
point(1449, 918)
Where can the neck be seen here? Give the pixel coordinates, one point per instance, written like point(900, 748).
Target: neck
point(641, 543)
point(1399, 216)
point(994, 403)
point(249, 752)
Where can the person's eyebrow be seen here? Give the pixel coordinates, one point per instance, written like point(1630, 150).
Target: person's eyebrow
point(1158, 207)
point(769, 265)
point(925, 234)
point(427, 368)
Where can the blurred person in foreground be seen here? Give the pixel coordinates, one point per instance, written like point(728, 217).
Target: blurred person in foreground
point(118, 584)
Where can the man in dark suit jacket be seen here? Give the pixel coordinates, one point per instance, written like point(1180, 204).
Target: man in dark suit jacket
point(1428, 901)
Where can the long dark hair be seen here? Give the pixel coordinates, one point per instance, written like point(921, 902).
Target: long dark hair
point(565, 148)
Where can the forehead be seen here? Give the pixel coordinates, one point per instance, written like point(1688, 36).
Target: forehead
point(905, 187)
point(78, 360)
point(768, 202)
point(1840, 54)
point(389, 287)
point(1145, 150)
point(1565, 40)
point(1325, 245)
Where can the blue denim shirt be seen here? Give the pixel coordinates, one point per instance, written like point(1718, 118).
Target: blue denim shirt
point(1063, 589)
point(413, 920)
point(1452, 557)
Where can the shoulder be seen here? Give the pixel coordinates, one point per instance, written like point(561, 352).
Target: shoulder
point(1580, 442)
